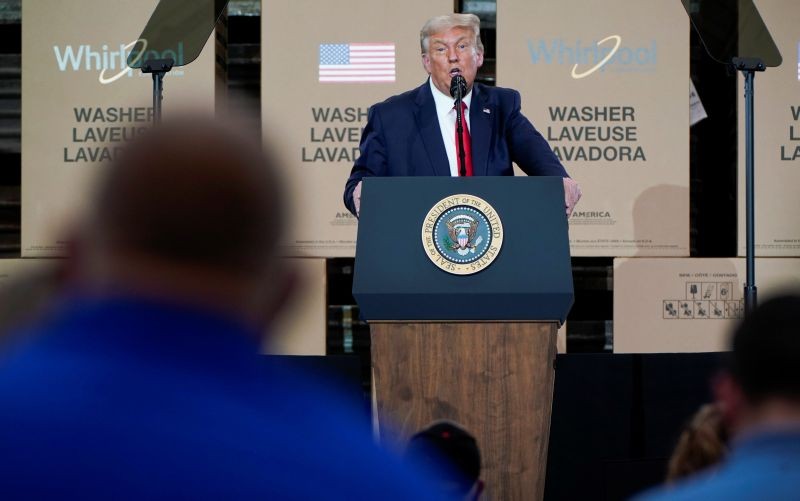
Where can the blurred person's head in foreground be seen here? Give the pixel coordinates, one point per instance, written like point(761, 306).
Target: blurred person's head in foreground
point(451, 452)
point(191, 211)
point(760, 387)
point(758, 397)
point(703, 443)
point(146, 382)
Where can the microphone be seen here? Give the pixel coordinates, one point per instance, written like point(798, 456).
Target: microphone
point(458, 87)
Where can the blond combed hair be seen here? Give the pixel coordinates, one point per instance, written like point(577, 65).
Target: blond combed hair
point(446, 22)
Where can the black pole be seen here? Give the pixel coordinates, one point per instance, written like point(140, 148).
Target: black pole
point(158, 95)
point(159, 68)
point(750, 292)
point(748, 67)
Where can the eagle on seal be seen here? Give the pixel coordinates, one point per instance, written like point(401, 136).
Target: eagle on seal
point(462, 235)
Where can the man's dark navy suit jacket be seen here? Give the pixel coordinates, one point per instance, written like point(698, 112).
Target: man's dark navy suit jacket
point(402, 138)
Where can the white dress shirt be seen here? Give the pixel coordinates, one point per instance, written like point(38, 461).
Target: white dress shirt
point(447, 123)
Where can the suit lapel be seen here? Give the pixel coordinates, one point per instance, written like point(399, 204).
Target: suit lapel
point(480, 131)
point(428, 126)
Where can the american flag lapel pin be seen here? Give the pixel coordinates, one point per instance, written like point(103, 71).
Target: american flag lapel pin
point(487, 111)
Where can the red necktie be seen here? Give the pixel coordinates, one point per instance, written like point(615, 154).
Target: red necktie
point(467, 142)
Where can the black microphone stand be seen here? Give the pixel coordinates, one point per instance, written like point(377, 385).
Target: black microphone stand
point(159, 68)
point(457, 88)
point(734, 34)
point(748, 67)
point(174, 26)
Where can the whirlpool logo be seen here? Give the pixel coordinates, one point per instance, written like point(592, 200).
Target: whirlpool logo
point(608, 54)
point(110, 64)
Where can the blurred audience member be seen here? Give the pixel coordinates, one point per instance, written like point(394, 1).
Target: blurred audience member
point(759, 398)
point(449, 451)
point(144, 382)
point(702, 443)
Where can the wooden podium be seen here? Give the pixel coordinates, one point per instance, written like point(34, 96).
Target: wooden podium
point(476, 349)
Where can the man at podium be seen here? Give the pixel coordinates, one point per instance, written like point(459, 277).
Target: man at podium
point(414, 133)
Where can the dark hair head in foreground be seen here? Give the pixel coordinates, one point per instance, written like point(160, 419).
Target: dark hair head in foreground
point(760, 386)
point(758, 399)
point(765, 358)
point(190, 209)
point(447, 449)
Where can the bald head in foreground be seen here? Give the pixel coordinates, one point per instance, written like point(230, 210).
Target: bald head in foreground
point(190, 211)
point(145, 381)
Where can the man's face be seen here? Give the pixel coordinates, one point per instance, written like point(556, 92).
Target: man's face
point(450, 53)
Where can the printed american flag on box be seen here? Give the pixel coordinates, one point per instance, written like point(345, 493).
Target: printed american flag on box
point(357, 62)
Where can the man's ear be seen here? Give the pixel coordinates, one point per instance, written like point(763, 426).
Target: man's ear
point(426, 63)
point(479, 59)
point(730, 398)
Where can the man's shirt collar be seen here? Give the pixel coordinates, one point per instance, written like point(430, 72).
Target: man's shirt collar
point(445, 103)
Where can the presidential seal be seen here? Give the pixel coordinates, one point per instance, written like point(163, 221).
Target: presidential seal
point(462, 234)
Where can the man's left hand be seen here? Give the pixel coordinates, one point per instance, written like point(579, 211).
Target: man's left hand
point(572, 193)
